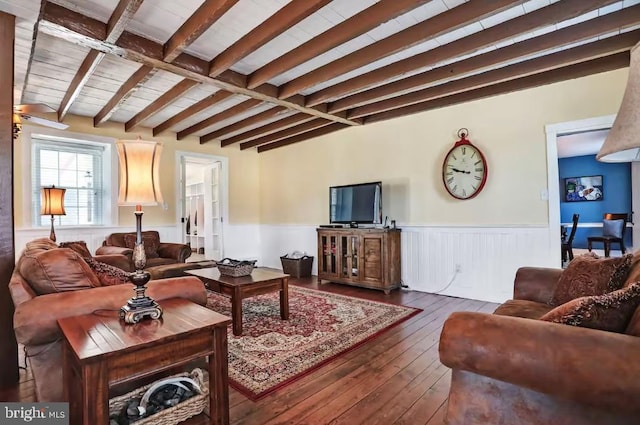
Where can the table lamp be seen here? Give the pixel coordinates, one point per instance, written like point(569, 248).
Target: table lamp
point(52, 203)
point(622, 143)
point(139, 185)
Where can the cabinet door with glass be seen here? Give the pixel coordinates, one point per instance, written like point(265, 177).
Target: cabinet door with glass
point(349, 256)
point(328, 255)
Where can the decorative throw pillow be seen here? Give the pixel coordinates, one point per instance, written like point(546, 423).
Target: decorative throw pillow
point(586, 276)
point(56, 270)
point(612, 228)
point(108, 274)
point(609, 312)
point(78, 246)
point(151, 242)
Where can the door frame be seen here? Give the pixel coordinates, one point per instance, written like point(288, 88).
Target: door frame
point(224, 188)
point(553, 174)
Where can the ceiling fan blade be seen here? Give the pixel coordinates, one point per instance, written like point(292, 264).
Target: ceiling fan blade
point(47, 123)
point(30, 108)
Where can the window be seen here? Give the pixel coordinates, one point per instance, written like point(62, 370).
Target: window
point(83, 168)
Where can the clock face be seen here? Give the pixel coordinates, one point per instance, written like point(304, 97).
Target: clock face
point(464, 171)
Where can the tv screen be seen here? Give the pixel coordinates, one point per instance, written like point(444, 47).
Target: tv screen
point(356, 203)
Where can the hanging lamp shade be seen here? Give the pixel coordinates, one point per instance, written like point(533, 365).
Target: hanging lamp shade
point(52, 201)
point(623, 141)
point(139, 172)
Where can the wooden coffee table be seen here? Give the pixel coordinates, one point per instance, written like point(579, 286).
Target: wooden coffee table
point(260, 281)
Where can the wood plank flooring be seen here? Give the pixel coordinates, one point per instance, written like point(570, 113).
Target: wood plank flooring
point(395, 378)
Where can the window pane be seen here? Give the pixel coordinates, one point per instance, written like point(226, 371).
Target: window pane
point(77, 168)
point(68, 178)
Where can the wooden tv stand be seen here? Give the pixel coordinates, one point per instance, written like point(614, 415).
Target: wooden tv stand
point(364, 257)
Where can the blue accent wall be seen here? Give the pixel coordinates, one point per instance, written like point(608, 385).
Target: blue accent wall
point(617, 196)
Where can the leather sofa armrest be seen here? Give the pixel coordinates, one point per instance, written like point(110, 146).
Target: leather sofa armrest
point(115, 250)
point(117, 260)
point(585, 365)
point(535, 284)
point(36, 321)
point(178, 251)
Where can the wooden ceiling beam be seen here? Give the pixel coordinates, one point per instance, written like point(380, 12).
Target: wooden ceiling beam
point(163, 101)
point(444, 22)
point(201, 20)
point(201, 105)
point(582, 53)
point(291, 14)
point(226, 114)
point(288, 132)
point(353, 27)
point(119, 19)
point(76, 28)
point(88, 66)
point(562, 37)
point(268, 129)
point(134, 82)
point(583, 69)
point(547, 15)
point(330, 128)
point(243, 123)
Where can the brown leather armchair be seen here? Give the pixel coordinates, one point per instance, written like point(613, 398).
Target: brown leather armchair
point(50, 283)
point(158, 253)
point(515, 370)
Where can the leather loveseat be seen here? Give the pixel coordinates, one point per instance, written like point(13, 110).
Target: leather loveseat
point(509, 369)
point(49, 283)
point(158, 253)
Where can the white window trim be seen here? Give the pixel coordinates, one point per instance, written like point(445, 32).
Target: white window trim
point(110, 171)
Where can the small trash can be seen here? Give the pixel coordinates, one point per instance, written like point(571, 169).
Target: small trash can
point(297, 267)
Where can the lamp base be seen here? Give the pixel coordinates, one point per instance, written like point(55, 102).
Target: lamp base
point(140, 306)
point(137, 309)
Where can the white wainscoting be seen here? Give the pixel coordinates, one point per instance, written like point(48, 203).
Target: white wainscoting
point(93, 236)
point(278, 240)
point(241, 241)
point(488, 256)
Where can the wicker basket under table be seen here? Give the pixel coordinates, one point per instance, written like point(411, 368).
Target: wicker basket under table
point(181, 412)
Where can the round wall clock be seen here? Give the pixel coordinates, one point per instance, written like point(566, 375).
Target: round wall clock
point(464, 170)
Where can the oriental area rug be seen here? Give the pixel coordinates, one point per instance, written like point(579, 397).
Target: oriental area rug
point(272, 352)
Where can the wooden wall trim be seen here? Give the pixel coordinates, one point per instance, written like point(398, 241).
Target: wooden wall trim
point(8, 347)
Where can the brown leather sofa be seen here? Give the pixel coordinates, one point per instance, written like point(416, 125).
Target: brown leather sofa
point(49, 283)
point(509, 369)
point(158, 253)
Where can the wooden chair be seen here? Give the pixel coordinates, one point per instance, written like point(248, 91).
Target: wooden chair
point(611, 233)
point(567, 243)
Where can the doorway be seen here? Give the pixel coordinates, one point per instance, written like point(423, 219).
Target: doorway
point(558, 131)
point(202, 204)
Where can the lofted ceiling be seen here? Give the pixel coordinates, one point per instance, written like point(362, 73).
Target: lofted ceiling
point(270, 73)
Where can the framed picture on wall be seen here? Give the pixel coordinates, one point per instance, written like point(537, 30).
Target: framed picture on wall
point(586, 188)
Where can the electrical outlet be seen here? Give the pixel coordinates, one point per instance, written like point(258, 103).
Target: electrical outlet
point(458, 268)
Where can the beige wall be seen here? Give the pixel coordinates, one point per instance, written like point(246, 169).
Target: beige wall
point(406, 154)
point(290, 185)
point(243, 174)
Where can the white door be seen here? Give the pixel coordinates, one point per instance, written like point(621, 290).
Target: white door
point(213, 213)
point(183, 201)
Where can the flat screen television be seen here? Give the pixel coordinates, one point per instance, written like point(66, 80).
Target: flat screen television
point(356, 203)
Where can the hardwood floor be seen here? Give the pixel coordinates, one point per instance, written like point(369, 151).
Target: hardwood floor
point(395, 378)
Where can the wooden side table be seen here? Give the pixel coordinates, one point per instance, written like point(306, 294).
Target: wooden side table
point(100, 350)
